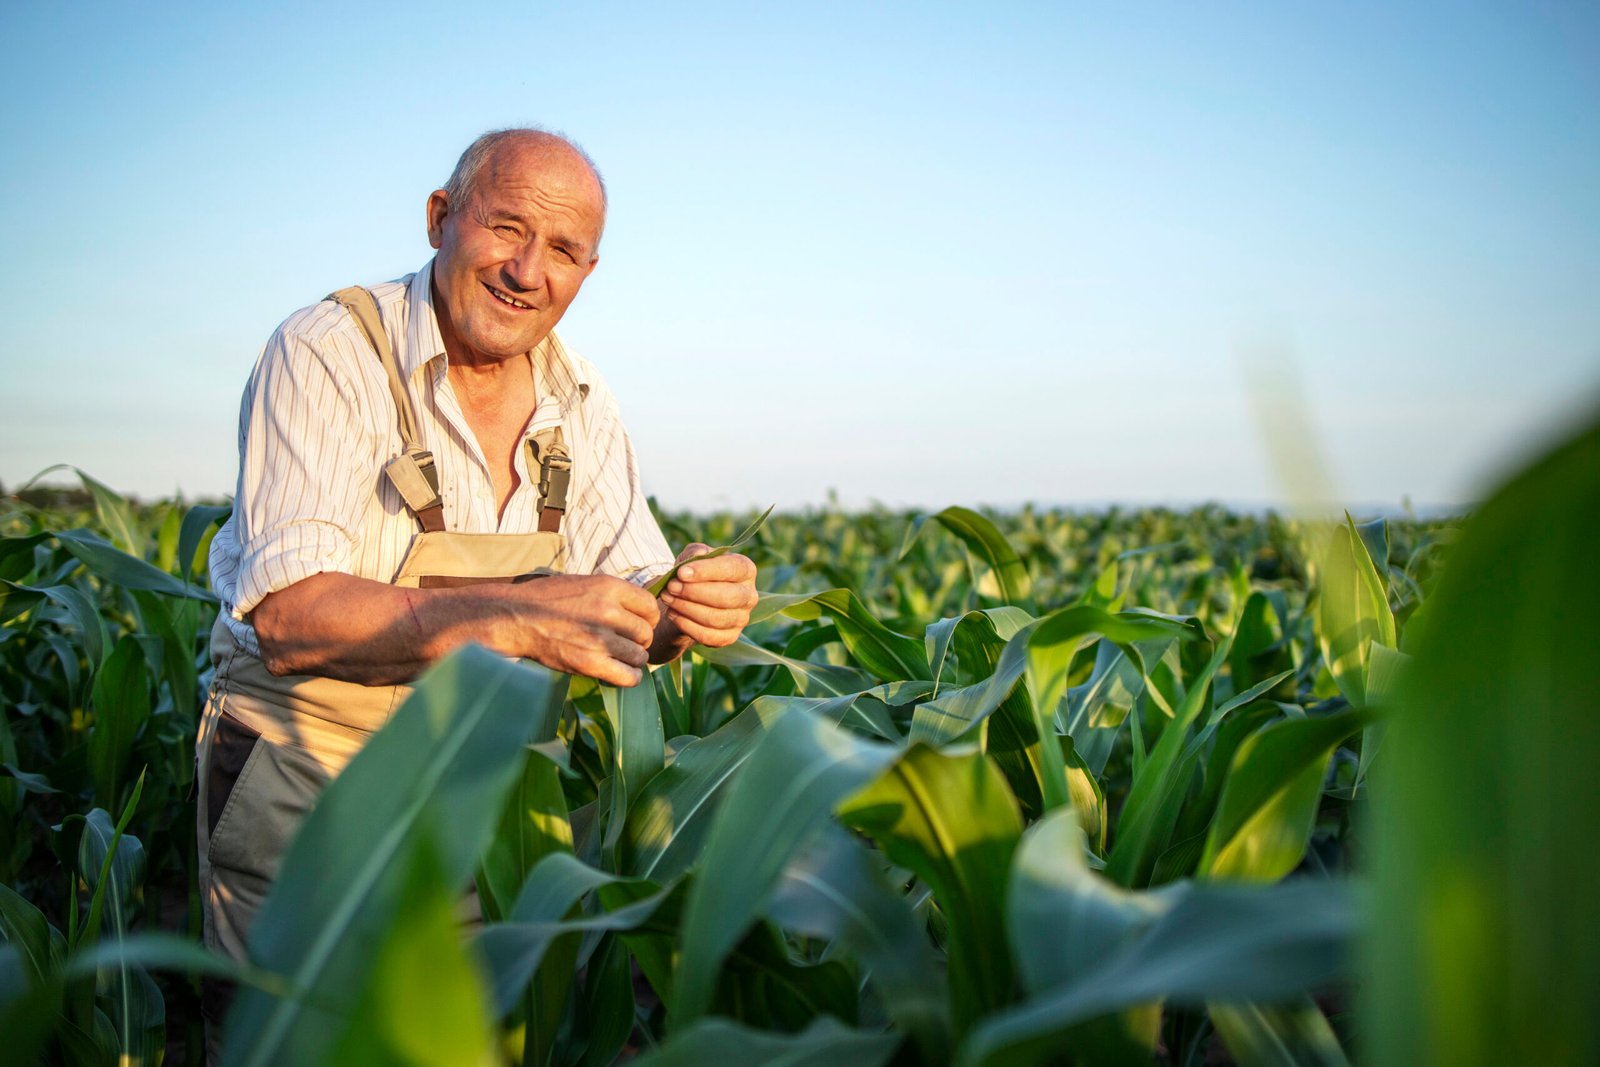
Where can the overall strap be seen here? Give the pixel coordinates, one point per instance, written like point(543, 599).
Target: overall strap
point(549, 451)
point(412, 473)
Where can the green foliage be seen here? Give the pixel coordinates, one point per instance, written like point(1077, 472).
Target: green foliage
point(1486, 941)
point(973, 788)
point(951, 819)
point(424, 1002)
point(1114, 948)
point(439, 772)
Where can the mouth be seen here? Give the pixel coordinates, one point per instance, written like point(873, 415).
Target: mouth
point(507, 299)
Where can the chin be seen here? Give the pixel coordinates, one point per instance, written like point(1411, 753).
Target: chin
point(499, 344)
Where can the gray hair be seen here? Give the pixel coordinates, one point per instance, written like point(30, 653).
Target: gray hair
point(463, 181)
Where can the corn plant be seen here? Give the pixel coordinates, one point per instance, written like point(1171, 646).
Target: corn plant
point(972, 789)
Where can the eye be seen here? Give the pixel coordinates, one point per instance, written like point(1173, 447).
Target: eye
point(506, 230)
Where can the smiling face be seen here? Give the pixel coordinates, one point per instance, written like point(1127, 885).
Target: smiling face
point(515, 251)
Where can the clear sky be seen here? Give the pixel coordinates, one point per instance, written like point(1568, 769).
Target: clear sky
point(920, 254)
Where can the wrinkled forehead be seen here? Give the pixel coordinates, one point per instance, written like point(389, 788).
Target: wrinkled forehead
point(547, 162)
point(550, 174)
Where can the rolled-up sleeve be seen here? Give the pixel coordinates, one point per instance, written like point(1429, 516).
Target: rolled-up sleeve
point(309, 462)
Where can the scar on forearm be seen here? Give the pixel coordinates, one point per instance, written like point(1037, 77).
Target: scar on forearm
point(411, 606)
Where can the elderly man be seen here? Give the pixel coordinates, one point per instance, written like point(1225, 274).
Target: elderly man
point(420, 467)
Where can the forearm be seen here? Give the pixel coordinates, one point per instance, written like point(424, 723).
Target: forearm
point(358, 630)
point(363, 631)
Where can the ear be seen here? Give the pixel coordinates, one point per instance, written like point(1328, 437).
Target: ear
point(438, 208)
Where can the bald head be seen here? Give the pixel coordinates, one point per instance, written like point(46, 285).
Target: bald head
point(498, 147)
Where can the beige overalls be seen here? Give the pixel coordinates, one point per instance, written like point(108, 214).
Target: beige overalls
point(267, 744)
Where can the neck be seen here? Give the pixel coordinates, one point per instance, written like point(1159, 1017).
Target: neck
point(490, 383)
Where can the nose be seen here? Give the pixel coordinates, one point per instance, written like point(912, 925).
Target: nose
point(525, 269)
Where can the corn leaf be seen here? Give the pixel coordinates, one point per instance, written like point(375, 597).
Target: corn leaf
point(1269, 803)
point(836, 889)
point(121, 700)
point(656, 587)
point(113, 564)
point(446, 758)
point(952, 820)
point(30, 1007)
point(673, 815)
point(40, 948)
point(956, 711)
point(800, 769)
point(198, 522)
point(1279, 1035)
point(1352, 610)
point(533, 824)
point(889, 656)
point(424, 1002)
point(998, 572)
point(813, 679)
point(640, 751)
point(1484, 944)
point(1151, 810)
point(1115, 948)
point(545, 913)
point(78, 607)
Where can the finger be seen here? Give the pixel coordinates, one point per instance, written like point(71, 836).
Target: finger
point(620, 664)
point(712, 594)
point(639, 626)
point(625, 650)
point(619, 674)
point(704, 615)
point(624, 626)
point(635, 601)
point(616, 661)
point(711, 637)
point(730, 567)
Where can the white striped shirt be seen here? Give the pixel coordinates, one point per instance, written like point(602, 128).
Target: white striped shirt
point(318, 423)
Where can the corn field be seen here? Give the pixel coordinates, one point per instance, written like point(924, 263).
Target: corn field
point(1139, 786)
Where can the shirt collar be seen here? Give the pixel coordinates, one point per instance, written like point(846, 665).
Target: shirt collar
point(561, 376)
point(424, 342)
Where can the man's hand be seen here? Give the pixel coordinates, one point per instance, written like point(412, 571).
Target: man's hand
point(593, 625)
point(708, 603)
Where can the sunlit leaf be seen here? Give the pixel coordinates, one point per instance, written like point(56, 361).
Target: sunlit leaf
point(1485, 798)
point(799, 770)
point(446, 758)
point(889, 656)
point(1269, 803)
point(1112, 948)
point(990, 554)
point(424, 1002)
point(952, 820)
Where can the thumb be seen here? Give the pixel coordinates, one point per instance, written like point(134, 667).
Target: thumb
point(691, 550)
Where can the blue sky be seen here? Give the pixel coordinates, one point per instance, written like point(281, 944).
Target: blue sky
point(920, 254)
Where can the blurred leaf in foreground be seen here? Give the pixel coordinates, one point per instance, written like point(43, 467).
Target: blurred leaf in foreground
point(1486, 945)
point(425, 1003)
